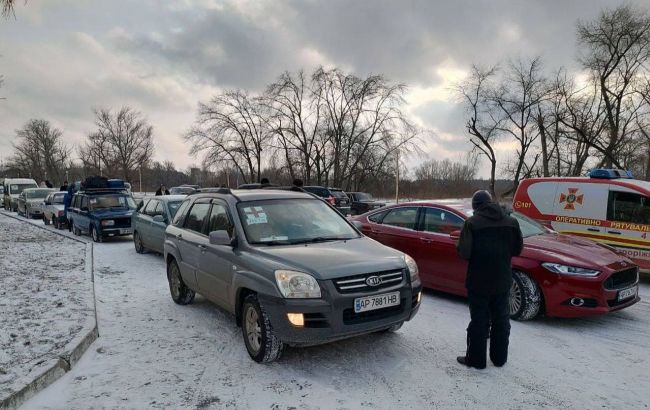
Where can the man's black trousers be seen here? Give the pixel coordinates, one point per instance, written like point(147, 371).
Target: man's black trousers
point(489, 314)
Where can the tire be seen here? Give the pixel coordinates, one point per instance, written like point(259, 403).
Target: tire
point(27, 214)
point(262, 344)
point(76, 230)
point(94, 234)
point(45, 220)
point(137, 242)
point(181, 294)
point(525, 297)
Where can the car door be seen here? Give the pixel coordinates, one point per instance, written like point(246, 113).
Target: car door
point(398, 229)
point(21, 203)
point(628, 220)
point(145, 222)
point(439, 264)
point(82, 219)
point(215, 268)
point(157, 228)
point(192, 241)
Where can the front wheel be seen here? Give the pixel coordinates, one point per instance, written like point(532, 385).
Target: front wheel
point(181, 294)
point(262, 344)
point(137, 242)
point(525, 297)
point(394, 328)
point(95, 235)
point(45, 220)
point(76, 230)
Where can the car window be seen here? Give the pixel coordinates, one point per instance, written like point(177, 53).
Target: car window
point(219, 220)
point(18, 188)
point(37, 193)
point(322, 192)
point(57, 198)
point(339, 194)
point(84, 203)
point(361, 196)
point(401, 217)
point(628, 207)
point(142, 205)
point(159, 209)
point(180, 213)
point(150, 209)
point(438, 220)
point(292, 221)
point(172, 207)
point(377, 218)
point(196, 217)
point(528, 226)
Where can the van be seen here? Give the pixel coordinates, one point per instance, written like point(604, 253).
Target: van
point(13, 187)
point(607, 206)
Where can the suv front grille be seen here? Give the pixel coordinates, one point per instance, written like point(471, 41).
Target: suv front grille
point(622, 279)
point(357, 283)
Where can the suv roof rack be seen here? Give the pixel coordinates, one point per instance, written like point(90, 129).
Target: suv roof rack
point(97, 190)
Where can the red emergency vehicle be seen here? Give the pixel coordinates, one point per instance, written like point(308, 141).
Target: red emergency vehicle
point(607, 206)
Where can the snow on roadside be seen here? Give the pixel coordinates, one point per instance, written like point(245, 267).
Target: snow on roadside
point(45, 296)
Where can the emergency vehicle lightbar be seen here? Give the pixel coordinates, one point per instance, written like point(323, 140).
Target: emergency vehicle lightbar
point(610, 174)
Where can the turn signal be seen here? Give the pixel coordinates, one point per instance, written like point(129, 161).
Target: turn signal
point(296, 319)
point(419, 296)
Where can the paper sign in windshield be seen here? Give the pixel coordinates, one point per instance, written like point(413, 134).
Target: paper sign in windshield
point(255, 215)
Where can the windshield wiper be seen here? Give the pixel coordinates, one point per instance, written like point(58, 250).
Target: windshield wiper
point(322, 239)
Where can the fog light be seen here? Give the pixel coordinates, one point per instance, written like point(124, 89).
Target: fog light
point(296, 319)
point(419, 296)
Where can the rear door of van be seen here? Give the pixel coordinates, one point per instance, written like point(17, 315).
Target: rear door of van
point(580, 208)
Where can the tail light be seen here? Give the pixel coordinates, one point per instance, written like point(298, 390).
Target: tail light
point(331, 200)
point(60, 213)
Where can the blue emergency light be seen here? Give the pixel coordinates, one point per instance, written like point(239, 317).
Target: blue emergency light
point(610, 174)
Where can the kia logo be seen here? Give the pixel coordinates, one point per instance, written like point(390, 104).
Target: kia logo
point(373, 281)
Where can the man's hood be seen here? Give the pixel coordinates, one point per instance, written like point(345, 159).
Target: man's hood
point(490, 210)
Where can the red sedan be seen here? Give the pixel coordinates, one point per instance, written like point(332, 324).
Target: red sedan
point(559, 275)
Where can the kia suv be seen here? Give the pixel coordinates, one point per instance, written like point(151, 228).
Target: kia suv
point(292, 270)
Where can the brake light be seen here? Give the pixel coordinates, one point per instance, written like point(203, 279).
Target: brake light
point(331, 200)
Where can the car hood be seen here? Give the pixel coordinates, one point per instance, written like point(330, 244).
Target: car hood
point(570, 250)
point(335, 259)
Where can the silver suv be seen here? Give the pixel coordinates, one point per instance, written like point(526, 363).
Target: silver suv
point(290, 268)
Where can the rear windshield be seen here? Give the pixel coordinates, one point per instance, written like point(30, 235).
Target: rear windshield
point(19, 188)
point(322, 192)
point(111, 201)
point(38, 193)
point(362, 196)
point(181, 190)
point(338, 194)
point(173, 207)
point(58, 198)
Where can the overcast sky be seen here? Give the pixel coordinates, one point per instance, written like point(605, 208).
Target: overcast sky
point(61, 58)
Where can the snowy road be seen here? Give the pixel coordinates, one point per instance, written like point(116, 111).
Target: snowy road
point(154, 354)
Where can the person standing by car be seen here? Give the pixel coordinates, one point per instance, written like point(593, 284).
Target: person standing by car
point(64, 187)
point(162, 190)
point(488, 241)
point(298, 183)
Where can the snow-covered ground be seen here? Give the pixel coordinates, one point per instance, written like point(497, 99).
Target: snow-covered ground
point(154, 354)
point(45, 297)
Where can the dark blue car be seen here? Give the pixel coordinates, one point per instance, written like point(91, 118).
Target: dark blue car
point(101, 213)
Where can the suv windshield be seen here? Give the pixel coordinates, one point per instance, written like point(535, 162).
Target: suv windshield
point(19, 188)
point(528, 226)
point(37, 193)
point(292, 221)
point(181, 190)
point(111, 201)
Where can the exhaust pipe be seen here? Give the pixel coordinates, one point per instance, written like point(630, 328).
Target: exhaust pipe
point(577, 302)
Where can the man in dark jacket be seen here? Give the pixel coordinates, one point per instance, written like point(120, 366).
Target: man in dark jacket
point(488, 241)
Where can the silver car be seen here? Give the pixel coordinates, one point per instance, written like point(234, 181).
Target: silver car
point(54, 209)
point(30, 201)
point(150, 220)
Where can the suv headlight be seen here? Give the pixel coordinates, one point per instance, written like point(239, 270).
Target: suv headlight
point(413, 268)
point(297, 285)
point(570, 270)
point(108, 222)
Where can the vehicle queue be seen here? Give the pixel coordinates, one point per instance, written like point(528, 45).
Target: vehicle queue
point(295, 268)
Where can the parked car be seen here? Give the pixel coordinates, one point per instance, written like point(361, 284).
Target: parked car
point(256, 185)
point(30, 201)
point(361, 202)
point(54, 209)
point(182, 190)
point(291, 269)
point(334, 196)
point(556, 274)
point(12, 188)
point(151, 219)
point(102, 213)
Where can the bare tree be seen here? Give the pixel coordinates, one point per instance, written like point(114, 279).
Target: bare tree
point(122, 143)
point(7, 8)
point(616, 51)
point(40, 151)
point(232, 127)
point(483, 124)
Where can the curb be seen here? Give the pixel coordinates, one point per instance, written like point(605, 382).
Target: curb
point(51, 370)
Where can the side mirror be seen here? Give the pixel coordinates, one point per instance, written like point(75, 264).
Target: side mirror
point(455, 235)
point(220, 238)
point(159, 218)
point(357, 224)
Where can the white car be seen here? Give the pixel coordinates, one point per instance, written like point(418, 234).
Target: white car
point(54, 210)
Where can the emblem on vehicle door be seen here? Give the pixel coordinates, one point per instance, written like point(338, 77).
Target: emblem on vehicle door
point(571, 199)
point(373, 281)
